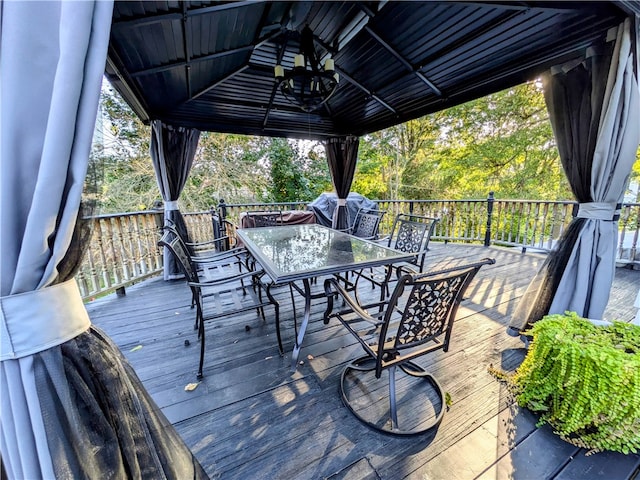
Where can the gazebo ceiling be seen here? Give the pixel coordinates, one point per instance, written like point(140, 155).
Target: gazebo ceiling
point(209, 65)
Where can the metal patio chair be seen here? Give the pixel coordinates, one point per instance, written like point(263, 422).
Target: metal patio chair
point(211, 263)
point(225, 292)
point(365, 226)
point(417, 319)
point(367, 223)
point(258, 218)
point(409, 234)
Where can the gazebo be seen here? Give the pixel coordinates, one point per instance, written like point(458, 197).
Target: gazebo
point(331, 71)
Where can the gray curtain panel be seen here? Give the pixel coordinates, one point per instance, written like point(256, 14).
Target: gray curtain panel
point(71, 406)
point(342, 156)
point(593, 106)
point(172, 153)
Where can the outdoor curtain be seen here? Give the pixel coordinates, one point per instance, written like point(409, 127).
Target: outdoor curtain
point(342, 156)
point(593, 107)
point(172, 152)
point(71, 405)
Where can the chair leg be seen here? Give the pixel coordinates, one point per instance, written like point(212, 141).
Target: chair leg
point(384, 288)
point(199, 318)
point(202, 341)
point(260, 309)
point(244, 288)
point(393, 406)
point(362, 411)
point(276, 307)
point(293, 303)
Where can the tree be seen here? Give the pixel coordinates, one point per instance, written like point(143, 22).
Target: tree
point(229, 167)
point(238, 168)
point(293, 176)
point(127, 182)
point(502, 142)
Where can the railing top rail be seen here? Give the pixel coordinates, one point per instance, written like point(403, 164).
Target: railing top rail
point(257, 204)
point(125, 214)
point(539, 202)
point(482, 200)
point(200, 212)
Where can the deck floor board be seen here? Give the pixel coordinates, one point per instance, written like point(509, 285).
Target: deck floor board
point(251, 417)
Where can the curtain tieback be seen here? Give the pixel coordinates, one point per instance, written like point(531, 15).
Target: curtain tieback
point(171, 205)
point(32, 322)
point(599, 211)
point(342, 202)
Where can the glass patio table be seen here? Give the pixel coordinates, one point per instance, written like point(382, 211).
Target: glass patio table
point(291, 253)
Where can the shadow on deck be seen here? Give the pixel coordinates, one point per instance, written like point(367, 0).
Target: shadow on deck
point(251, 417)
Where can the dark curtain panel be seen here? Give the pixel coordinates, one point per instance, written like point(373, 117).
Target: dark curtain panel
point(573, 94)
point(172, 152)
point(71, 405)
point(593, 109)
point(342, 156)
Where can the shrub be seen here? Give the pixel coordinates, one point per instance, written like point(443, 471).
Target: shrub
point(584, 380)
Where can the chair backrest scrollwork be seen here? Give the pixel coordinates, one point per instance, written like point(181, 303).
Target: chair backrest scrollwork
point(411, 234)
point(265, 219)
point(426, 313)
point(367, 223)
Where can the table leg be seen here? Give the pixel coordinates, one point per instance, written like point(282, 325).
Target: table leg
point(303, 325)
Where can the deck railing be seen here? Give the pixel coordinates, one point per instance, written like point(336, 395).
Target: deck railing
point(124, 250)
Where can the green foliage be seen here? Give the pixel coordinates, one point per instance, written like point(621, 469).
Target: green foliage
point(584, 380)
point(127, 181)
point(293, 178)
point(226, 166)
point(501, 143)
point(635, 172)
point(374, 154)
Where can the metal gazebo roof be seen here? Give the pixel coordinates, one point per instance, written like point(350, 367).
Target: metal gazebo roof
point(209, 65)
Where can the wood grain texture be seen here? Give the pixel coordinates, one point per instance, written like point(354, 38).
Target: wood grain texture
point(251, 417)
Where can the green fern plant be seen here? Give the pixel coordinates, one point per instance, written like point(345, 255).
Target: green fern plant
point(584, 380)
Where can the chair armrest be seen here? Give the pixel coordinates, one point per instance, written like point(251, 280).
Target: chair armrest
point(405, 270)
point(234, 252)
point(353, 304)
point(222, 281)
point(206, 242)
point(383, 240)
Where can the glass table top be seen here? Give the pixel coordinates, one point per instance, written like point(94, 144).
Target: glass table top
point(293, 252)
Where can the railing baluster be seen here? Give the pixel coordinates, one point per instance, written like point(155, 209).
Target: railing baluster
point(104, 232)
point(141, 260)
point(152, 235)
point(634, 242)
point(543, 227)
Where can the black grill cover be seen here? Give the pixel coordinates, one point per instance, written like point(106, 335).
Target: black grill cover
point(326, 203)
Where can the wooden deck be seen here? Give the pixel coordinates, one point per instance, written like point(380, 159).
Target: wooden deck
point(252, 418)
